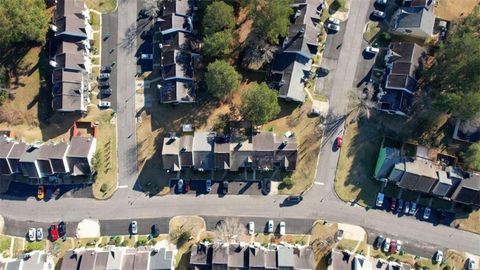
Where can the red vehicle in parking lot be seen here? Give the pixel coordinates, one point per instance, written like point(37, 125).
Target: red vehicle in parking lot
point(393, 246)
point(393, 204)
point(186, 188)
point(339, 141)
point(53, 232)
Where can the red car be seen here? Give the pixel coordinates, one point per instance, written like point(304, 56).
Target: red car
point(53, 232)
point(393, 204)
point(393, 246)
point(339, 141)
point(186, 188)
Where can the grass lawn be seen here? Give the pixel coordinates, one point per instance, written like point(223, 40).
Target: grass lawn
point(59, 248)
point(194, 224)
point(95, 21)
point(103, 6)
point(358, 155)
point(96, 47)
point(451, 10)
point(347, 244)
point(17, 246)
point(371, 31)
point(38, 245)
point(470, 223)
point(87, 242)
point(5, 242)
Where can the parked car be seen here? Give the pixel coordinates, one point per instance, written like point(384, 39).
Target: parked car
point(334, 27)
point(372, 50)
point(400, 206)
point(251, 227)
point(471, 264)
point(106, 69)
point(146, 56)
point(386, 245)
point(266, 187)
point(180, 186)
point(393, 246)
point(186, 187)
point(406, 209)
point(103, 76)
point(209, 185)
point(134, 227)
point(339, 235)
point(31, 234)
point(381, 2)
point(413, 208)
point(438, 256)
point(399, 245)
point(270, 226)
point(155, 230)
point(295, 199)
point(104, 104)
point(393, 204)
point(282, 228)
point(106, 91)
point(338, 142)
point(225, 187)
point(379, 242)
point(380, 198)
point(62, 229)
point(41, 192)
point(379, 14)
point(426, 213)
point(104, 84)
point(334, 20)
point(53, 232)
point(39, 234)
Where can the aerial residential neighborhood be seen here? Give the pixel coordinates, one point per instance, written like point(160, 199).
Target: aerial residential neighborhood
point(235, 134)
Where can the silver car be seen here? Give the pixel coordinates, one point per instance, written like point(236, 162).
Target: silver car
point(32, 234)
point(334, 27)
point(134, 227)
point(270, 226)
point(39, 234)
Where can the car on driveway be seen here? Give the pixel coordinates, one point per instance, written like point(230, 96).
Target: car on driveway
point(155, 230)
point(106, 69)
point(41, 192)
point(103, 76)
point(399, 245)
point(379, 242)
point(31, 234)
point(379, 14)
point(39, 234)
point(333, 27)
point(104, 84)
point(186, 187)
point(393, 204)
point(393, 246)
point(282, 228)
point(438, 258)
point(413, 208)
point(372, 50)
point(334, 20)
point(251, 227)
point(208, 185)
point(53, 232)
point(62, 229)
point(225, 187)
point(146, 56)
point(406, 209)
point(180, 186)
point(338, 142)
point(270, 226)
point(266, 186)
point(104, 104)
point(380, 198)
point(400, 206)
point(134, 227)
point(426, 213)
point(386, 245)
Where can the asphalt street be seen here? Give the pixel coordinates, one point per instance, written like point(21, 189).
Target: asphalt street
point(320, 202)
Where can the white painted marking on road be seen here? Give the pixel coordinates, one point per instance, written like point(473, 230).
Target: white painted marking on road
point(319, 183)
point(125, 186)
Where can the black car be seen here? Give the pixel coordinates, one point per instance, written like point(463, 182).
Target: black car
point(155, 230)
point(62, 230)
point(225, 187)
point(295, 199)
point(106, 69)
point(266, 187)
point(106, 92)
point(104, 84)
point(379, 242)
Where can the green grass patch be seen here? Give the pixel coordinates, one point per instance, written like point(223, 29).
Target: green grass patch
point(5, 242)
point(95, 21)
point(371, 31)
point(103, 6)
point(347, 244)
point(17, 246)
point(30, 246)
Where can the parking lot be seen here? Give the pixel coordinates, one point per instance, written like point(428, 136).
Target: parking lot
point(198, 187)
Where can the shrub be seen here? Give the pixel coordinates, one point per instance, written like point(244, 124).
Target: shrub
point(286, 183)
point(103, 188)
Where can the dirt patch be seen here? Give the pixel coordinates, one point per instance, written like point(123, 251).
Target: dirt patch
point(103, 6)
point(470, 223)
point(194, 224)
point(452, 9)
point(322, 241)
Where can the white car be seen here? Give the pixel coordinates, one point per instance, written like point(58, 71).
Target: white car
point(134, 227)
point(334, 27)
point(438, 256)
point(282, 228)
point(386, 245)
point(251, 228)
point(39, 234)
point(379, 201)
point(413, 208)
point(426, 213)
point(104, 104)
point(381, 2)
point(31, 234)
point(372, 50)
point(209, 185)
point(334, 20)
point(146, 56)
point(471, 264)
point(103, 76)
point(379, 14)
point(270, 226)
point(399, 245)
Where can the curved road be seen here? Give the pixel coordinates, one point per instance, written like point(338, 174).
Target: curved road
point(319, 202)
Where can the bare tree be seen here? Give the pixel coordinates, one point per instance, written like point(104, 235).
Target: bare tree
point(359, 105)
point(152, 7)
point(230, 230)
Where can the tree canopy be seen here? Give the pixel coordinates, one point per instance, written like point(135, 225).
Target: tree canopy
point(454, 74)
point(218, 17)
point(218, 44)
point(272, 19)
point(22, 21)
point(221, 78)
point(259, 104)
point(472, 156)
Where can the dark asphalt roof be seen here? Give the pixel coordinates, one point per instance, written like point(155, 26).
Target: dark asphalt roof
point(200, 254)
point(28, 163)
point(220, 254)
point(6, 148)
point(68, 96)
point(161, 260)
point(172, 21)
point(400, 81)
point(185, 146)
point(180, 7)
point(68, 7)
point(171, 162)
point(468, 192)
point(71, 24)
point(289, 71)
point(396, 100)
point(256, 257)
point(182, 91)
point(177, 41)
point(71, 61)
point(60, 75)
point(80, 146)
point(420, 175)
point(170, 57)
point(263, 141)
point(18, 150)
point(178, 70)
point(68, 47)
